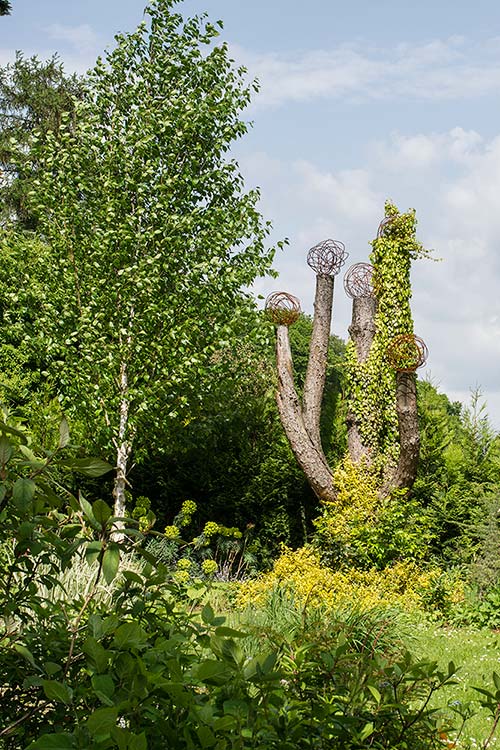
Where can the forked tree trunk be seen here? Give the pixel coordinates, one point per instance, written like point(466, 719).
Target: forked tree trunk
point(309, 456)
point(362, 332)
point(301, 422)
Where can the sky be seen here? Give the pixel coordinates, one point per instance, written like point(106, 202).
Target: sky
point(359, 102)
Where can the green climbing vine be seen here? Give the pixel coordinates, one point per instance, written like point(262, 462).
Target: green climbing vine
point(371, 385)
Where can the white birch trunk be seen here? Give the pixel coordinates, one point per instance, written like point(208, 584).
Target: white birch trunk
point(123, 447)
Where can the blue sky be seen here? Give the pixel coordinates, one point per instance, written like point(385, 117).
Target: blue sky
point(359, 102)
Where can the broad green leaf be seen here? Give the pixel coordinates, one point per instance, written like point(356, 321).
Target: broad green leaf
point(213, 672)
point(6, 450)
point(4, 428)
point(111, 562)
point(102, 721)
point(88, 513)
point(101, 511)
point(133, 577)
point(137, 742)
point(376, 694)
point(96, 653)
point(25, 652)
point(92, 551)
point(90, 467)
point(23, 493)
point(28, 453)
point(206, 736)
point(57, 691)
point(61, 741)
point(207, 614)
point(51, 667)
point(366, 731)
point(129, 635)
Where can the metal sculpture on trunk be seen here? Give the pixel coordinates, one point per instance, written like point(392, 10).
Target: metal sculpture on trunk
point(365, 285)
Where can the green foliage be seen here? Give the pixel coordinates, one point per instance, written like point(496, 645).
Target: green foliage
point(152, 234)
point(150, 673)
point(21, 354)
point(232, 457)
point(34, 96)
point(217, 551)
point(363, 530)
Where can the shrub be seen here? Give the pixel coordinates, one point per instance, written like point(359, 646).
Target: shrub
point(363, 530)
point(402, 584)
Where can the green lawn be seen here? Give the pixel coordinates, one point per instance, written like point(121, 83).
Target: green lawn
point(477, 653)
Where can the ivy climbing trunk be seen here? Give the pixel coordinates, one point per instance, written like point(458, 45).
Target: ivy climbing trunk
point(309, 457)
point(362, 332)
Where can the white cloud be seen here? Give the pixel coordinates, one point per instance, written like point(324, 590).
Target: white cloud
point(76, 46)
point(83, 39)
point(424, 151)
point(441, 69)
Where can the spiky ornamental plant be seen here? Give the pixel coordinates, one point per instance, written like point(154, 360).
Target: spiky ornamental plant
point(151, 231)
point(381, 395)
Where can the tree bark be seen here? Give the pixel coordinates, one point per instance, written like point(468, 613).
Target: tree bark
point(122, 448)
point(314, 383)
point(409, 436)
point(362, 331)
point(310, 458)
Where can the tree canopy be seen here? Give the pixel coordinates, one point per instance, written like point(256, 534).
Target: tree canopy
point(152, 234)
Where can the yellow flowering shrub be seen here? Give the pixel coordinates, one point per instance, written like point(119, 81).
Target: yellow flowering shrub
point(401, 584)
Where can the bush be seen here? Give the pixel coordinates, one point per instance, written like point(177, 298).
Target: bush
point(118, 662)
point(402, 584)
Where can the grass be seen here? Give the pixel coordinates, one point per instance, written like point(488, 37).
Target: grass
point(477, 654)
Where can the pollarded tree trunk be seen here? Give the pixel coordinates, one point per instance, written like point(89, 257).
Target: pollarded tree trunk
point(309, 456)
point(362, 332)
point(314, 383)
point(375, 313)
point(409, 436)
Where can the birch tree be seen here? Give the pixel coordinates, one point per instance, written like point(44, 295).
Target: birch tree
point(151, 231)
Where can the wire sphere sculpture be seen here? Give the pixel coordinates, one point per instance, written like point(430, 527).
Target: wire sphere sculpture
point(327, 257)
point(358, 281)
point(407, 352)
point(382, 226)
point(282, 308)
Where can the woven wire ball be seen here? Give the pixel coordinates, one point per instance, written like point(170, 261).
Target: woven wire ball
point(407, 352)
point(358, 281)
point(282, 308)
point(383, 224)
point(327, 257)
